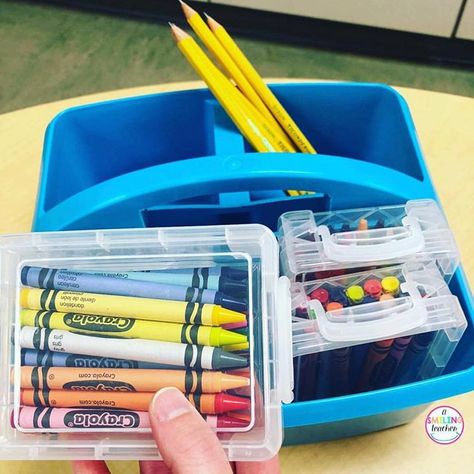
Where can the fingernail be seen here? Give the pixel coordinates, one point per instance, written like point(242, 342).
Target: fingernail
point(169, 403)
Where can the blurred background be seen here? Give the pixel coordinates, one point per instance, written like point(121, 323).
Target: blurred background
point(60, 49)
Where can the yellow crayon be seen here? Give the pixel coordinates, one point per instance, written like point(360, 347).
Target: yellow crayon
point(267, 96)
point(238, 346)
point(117, 326)
point(128, 307)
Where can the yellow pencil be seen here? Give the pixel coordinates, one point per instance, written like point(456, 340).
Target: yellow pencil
point(260, 87)
point(252, 129)
point(214, 46)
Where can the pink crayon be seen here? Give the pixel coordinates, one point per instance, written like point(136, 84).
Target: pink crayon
point(233, 326)
point(90, 419)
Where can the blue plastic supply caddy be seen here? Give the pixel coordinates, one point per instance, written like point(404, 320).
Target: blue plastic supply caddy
point(176, 159)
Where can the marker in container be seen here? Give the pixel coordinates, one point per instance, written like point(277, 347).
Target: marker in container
point(333, 306)
point(355, 294)
point(33, 357)
point(194, 279)
point(53, 279)
point(128, 306)
point(170, 353)
point(128, 380)
point(103, 419)
point(208, 404)
point(131, 328)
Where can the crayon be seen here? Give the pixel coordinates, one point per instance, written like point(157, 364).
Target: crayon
point(170, 353)
point(128, 306)
point(54, 279)
point(368, 299)
point(340, 359)
point(218, 403)
point(376, 354)
point(355, 293)
point(223, 272)
point(409, 368)
point(128, 380)
point(32, 357)
point(208, 404)
point(116, 326)
point(235, 326)
point(242, 346)
point(103, 419)
point(389, 367)
point(338, 295)
point(239, 415)
point(391, 285)
point(373, 288)
point(196, 279)
point(321, 295)
point(380, 224)
point(333, 306)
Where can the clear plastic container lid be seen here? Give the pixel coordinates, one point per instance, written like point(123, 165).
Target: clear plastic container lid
point(423, 304)
point(252, 248)
point(315, 245)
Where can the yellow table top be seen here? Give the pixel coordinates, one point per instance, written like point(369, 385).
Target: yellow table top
point(444, 125)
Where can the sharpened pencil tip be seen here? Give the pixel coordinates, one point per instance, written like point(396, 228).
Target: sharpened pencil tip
point(187, 10)
point(177, 32)
point(211, 22)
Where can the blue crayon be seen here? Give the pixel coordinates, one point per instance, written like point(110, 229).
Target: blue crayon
point(225, 272)
point(33, 357)
point(54, 279)
point(389, 368)
point(196, 279)
point(340, 360)
point(338, 295)
point(409, 368)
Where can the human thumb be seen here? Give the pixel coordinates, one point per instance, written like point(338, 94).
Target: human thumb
point(185, 441)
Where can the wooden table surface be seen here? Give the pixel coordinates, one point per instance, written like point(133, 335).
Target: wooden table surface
point(445, 128)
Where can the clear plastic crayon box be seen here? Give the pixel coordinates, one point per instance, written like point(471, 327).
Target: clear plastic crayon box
point(252, 248)
point(373, 329)
point(321, 244)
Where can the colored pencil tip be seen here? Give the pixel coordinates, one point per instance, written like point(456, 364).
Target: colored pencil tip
point(187, 10)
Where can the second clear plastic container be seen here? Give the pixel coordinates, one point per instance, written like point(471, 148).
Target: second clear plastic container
point(322, 244)
point(373, 329)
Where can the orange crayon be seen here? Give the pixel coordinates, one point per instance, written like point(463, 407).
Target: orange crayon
point(128, 380)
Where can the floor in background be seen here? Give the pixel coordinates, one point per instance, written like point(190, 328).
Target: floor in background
point(50, 53)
